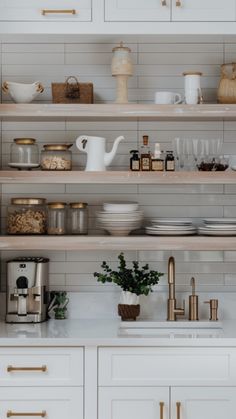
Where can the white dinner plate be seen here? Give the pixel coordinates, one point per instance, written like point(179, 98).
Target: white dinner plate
point(170, 222)
point(219, 220)
point(210, 232)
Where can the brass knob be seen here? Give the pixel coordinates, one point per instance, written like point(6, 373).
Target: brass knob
point(178, 407)
point(178, 3)
point(163, 3)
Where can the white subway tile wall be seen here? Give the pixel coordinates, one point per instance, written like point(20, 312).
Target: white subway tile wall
point(158, 65)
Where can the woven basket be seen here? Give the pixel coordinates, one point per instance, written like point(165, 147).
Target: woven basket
point(128, 312)
point(72, 91)
point(227, 87)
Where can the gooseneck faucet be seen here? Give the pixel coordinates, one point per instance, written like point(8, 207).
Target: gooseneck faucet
point(172, 310)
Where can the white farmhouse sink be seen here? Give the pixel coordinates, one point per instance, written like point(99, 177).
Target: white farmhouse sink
point(165, 329)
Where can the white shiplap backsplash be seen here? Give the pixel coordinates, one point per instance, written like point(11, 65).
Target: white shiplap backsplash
point(159, 64)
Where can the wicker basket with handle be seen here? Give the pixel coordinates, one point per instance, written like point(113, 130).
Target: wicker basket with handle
point(72, 91)
point(227, 87)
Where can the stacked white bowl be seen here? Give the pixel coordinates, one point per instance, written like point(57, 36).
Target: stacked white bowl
point(120, 218)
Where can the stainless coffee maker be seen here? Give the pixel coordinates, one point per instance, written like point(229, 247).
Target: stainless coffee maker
point(27, 290)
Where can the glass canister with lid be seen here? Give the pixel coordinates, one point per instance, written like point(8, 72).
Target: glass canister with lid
point(56, 218)
point(78, 218)
point(27, 216)
point(24, 154)
point(56, 157)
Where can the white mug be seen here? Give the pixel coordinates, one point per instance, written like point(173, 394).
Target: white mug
point(167, 98)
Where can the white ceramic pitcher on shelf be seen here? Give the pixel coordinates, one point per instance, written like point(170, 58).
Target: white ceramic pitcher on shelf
point(192, 88)
point(95, 147)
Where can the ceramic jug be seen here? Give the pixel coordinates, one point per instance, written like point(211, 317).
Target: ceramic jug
point(192, 88)
point(95, 147)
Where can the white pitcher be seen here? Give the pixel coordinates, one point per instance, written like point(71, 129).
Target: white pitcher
point(192, 87)
point(95, 147)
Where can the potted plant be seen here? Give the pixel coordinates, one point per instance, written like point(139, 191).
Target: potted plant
point(134, 281)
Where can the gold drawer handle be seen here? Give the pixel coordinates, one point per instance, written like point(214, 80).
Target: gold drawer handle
point(10, 368)
point(178, 3)
point(58, 11)
point(162, 404)
point(42, 414)
point(178, 407)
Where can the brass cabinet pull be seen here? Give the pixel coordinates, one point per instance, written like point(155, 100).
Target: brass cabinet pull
point(41, 414)
point(178, 3)
point(10, 368)
point(178, 406)
point(162, 404)
point(58, 11)
point(163, 3)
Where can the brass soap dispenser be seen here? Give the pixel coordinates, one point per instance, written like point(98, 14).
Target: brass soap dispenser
point(193, 302)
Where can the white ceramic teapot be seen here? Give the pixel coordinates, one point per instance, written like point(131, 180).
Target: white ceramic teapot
point(22, 92)
point(97, 159)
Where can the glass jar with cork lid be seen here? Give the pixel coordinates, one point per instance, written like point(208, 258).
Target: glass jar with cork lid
point(24, 154)
point(27, 216)
point(56, 157)
point(78, 218)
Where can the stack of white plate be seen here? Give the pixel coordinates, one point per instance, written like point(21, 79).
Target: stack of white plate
point(218, 227)
point(120, 218)
point(171, 227)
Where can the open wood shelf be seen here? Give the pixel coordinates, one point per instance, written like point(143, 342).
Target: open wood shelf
point(116, 243)
point(72, 112)
point(117, 177)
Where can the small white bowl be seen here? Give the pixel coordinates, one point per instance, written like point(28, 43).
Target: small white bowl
point(120, 206)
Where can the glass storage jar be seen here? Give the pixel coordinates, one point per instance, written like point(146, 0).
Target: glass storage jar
point(56, 157)
point(56, 218)
point(78, 218)
point(27, 216)
point(24, 154)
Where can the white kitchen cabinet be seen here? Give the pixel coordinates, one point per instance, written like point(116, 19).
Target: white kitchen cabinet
point(203, 10)
point(137, 10)
point(57, 403)
point(59, 10)
point(203, 403)
point(133, 403)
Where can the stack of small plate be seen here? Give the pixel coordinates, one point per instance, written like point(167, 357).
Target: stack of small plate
point(171, 227)
point(120, 218)
point(218, 227)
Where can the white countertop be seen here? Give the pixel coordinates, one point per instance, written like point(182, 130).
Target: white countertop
point(106, 333)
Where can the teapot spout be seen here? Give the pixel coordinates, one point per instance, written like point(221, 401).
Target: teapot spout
point(110, 156)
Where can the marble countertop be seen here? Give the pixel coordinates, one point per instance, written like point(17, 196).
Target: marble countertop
point(108, 333)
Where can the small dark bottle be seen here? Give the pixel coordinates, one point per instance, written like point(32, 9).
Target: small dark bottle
point(134, 161)
point(145, 158)
point(170, 162)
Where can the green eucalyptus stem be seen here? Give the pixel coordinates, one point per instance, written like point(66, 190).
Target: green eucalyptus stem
point(138, 280)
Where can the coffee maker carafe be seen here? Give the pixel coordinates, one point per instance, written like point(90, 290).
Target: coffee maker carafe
point(27, 290)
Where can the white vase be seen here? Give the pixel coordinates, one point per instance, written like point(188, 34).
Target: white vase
point(129, 298)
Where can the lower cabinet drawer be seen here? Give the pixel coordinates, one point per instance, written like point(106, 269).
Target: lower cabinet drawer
point(41, 367)
point(51, 403)
point(166, 366)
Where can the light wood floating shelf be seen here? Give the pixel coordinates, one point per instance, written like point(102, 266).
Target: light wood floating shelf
point(117, 177)
point(116, 243)
point(70, 112)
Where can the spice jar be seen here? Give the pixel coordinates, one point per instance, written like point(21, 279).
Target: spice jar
point(56, 157)
point(56, 218)
point(24, 154)
point(78, 218)
point(27, 216)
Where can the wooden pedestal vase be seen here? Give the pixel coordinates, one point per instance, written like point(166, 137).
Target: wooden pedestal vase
point(128, 312)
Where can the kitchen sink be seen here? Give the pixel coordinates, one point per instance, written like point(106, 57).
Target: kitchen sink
point(164, 329)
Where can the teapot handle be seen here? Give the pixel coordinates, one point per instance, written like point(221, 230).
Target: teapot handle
point(5, 88)
point(39, 87)
point(81, 143)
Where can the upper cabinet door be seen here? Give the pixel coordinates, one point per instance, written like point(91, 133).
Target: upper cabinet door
point(137, 10)
point(46, 10)
point(204, 10)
